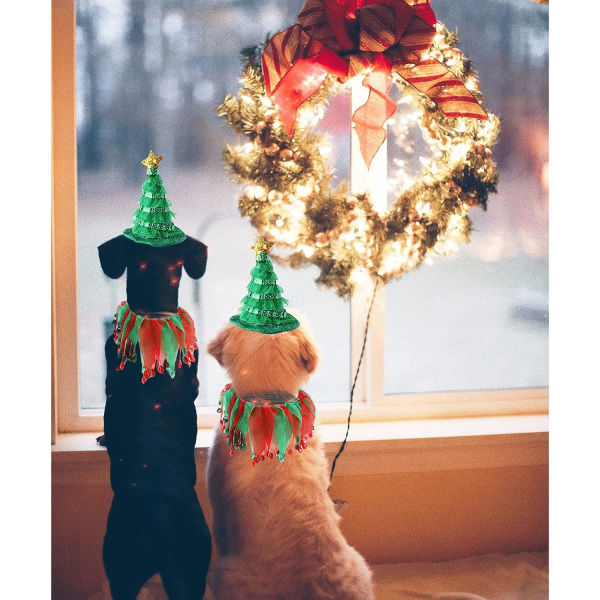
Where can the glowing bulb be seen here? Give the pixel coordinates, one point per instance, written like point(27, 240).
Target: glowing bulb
point(423, 208)
point(302, 191)
point(359, 277)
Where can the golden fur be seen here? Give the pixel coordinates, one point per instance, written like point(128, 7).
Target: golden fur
point(275, 527)
point(257, 362)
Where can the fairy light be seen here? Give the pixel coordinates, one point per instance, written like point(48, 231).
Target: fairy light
point(359, 277)
point(290, 195)
point(471, 85)
point(447, 243)
point(325, 150)
point(423, 208)
point(274, 197)
point(254, 192)
point(458, 153)
point(309, 118)
point(303, 191)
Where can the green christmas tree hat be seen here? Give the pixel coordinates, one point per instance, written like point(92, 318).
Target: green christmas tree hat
point(153, 220)
point(263, 307)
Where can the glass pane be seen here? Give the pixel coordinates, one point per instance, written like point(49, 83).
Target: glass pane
point(479, 319)
point(150, 76)
point(221, 290)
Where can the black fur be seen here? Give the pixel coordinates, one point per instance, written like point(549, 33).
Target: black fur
point(156, 523)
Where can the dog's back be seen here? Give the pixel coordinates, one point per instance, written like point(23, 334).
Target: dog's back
point(277, 531)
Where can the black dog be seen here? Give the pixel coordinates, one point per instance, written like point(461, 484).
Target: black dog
point(156, 524)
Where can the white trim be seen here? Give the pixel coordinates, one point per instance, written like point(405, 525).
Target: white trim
point(373, 180)
point(375, 365)
point(411, 407)
point(475, 403)
point(373, 448)
point(64, 220)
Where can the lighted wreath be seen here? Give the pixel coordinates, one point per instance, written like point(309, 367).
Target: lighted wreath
point(288, 195)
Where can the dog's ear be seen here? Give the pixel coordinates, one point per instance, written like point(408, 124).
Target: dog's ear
point(309, 356)
point(216, 347)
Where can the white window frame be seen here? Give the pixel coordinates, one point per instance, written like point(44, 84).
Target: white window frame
point(371, 403)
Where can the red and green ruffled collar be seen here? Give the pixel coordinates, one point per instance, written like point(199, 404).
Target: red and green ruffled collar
point(269, 429)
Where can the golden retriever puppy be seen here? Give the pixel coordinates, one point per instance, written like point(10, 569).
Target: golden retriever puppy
point(275, 527)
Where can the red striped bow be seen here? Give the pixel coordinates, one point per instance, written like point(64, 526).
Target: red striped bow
point(344, 38)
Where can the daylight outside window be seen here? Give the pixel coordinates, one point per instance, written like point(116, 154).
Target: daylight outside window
point(150, 76)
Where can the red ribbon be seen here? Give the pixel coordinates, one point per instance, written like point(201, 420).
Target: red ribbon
point(344, 38)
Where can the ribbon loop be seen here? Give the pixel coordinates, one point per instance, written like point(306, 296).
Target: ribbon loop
point(377, 27)
point(345, 38)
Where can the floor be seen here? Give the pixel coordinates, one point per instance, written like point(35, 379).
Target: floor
point(522, 576)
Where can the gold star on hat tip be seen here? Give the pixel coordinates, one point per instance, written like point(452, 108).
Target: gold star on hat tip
point(261, 246)
point(151, 161)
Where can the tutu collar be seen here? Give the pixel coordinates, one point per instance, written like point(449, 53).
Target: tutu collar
point(271, 424)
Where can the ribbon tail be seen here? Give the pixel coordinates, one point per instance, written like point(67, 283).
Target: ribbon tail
point(173, 346)
point(257, 422)
point(298, 85)
point(270, 413)
point(231, 408)
point(284, 432)
point(238, 426)
point(307, 408)
point(440, 85)
point(149, 340)
point(189, 330)
point(294, 67)
point(370, 118)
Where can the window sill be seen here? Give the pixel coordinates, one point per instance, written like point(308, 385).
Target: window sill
point(425, 408)
point(373, 447)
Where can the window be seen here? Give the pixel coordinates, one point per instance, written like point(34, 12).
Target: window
point(478, 319)
point(150, 75)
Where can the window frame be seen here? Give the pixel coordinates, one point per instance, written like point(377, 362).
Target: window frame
point(371, 403)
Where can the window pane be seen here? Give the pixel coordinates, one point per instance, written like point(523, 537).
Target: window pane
point(150, 76)
point(479, 319)
point(221, 290)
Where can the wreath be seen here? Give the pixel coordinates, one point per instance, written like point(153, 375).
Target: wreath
point(288, 190)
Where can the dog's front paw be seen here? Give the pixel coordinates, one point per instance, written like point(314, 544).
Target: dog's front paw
point(101, 440)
